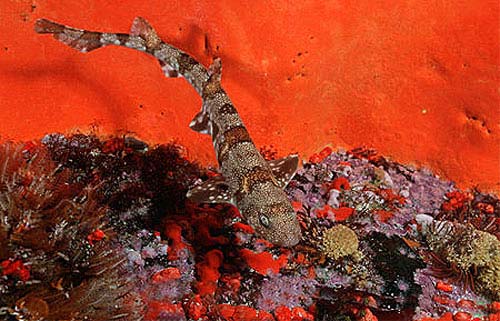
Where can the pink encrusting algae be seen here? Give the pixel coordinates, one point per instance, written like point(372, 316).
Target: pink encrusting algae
point(116, 222)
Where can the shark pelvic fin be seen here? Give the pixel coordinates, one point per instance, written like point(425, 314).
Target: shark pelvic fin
point(284, 169)
point(214, 190)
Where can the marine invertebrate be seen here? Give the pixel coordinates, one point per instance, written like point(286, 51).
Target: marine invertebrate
point(286, 290)
point(174, 259)
point(479, 210)
point(339, 241)
point(489, 277)
point(54, 257)
point(464, 254)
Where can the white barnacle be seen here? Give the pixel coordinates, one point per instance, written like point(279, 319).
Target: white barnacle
point(211, 197)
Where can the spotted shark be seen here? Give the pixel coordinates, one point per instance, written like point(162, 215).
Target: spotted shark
point(255, 186)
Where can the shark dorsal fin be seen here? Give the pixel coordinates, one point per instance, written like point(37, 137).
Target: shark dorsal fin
point(140, 27)
point(214, 190)
point(284, 168)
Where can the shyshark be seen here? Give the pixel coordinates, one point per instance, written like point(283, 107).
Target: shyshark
point(255, 186)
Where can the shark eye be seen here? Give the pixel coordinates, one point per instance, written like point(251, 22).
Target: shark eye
point(264, 220)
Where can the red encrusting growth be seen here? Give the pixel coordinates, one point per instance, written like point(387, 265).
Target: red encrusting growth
point(242, 313)
point(173, 232)
point(157, 308)
point(239, 226)
point(208, 272)
point(264, 263)
point(324, 153)
point(15, 268)
point(383, 215)
point(444, 286)
point(391, 197)
point(283, 313)
point(195, 308)
point(95, 236)
point(335, 214)
point(456, 200)
point(340, 183)
point(166, 274)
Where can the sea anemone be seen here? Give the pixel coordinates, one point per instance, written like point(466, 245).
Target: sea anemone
point(463, 254)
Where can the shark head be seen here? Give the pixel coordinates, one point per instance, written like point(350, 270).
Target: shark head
point(277, 223)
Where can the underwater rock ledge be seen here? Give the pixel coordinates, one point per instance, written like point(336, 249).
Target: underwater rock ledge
point(101, 230)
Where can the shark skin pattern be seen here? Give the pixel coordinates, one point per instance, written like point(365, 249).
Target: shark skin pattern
point(254, 185)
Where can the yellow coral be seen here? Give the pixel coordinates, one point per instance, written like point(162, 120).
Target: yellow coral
point(339, 241)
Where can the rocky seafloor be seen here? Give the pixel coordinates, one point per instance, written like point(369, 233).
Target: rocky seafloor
point(100, 229)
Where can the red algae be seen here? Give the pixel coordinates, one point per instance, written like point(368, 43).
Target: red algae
point(336, 214)
point(264, 263)
point(444, 286)
point(445, 317)
point(242, 313)
point(284, 313)
point(173, 232)
point(95, 236)
point(319, 157)
point(166, 275)
point(340, 183)
point(195, 308)
point(208, 272)
point(16, 269)
point(462, 316)
point(243, 227)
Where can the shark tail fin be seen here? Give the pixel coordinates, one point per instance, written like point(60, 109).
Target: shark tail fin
point(78, 39)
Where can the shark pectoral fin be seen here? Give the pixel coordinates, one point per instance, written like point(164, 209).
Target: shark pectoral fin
point(200, 123)
point(284, 168)
point(214, 190)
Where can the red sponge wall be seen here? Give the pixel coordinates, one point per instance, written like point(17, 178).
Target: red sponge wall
point(416, 80)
